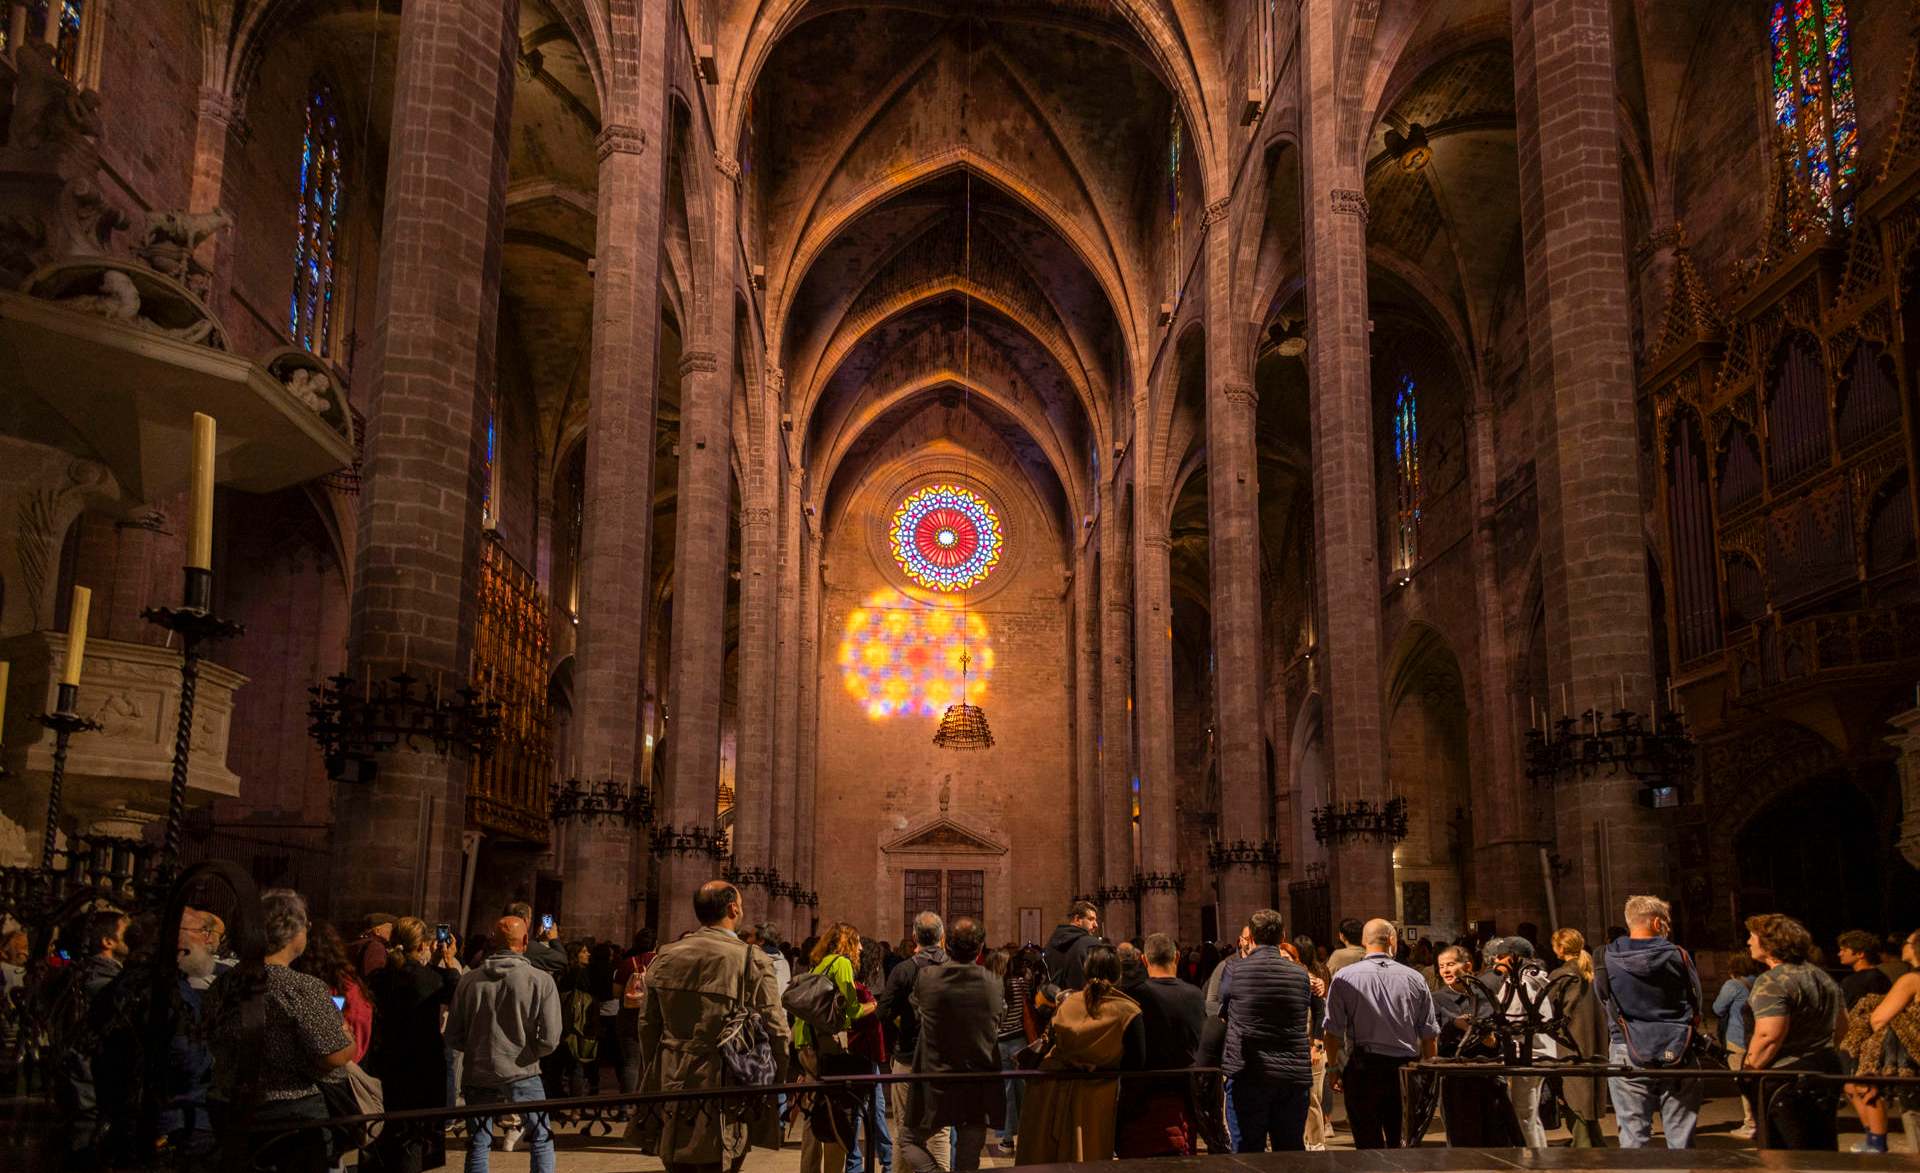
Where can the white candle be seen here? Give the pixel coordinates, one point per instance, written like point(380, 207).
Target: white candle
point(77, 635)
point(6, 670)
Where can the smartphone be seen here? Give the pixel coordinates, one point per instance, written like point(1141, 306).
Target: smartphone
point(443, 933)
point(546, 923)
point(339, 1003)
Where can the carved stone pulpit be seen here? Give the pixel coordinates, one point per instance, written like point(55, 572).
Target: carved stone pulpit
point(121, 772)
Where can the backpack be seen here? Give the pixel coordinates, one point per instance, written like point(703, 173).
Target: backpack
point(1654, 1044)
point(581, 1013)
point(634, 996)
point(745, 1042)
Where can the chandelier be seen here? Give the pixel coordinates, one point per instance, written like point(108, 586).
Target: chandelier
point(1624, 742)
point(964, 725)
point(353, 721)
point(608, 802)
point(1361, 819)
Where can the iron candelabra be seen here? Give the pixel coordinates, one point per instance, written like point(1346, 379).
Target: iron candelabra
point(194, 622)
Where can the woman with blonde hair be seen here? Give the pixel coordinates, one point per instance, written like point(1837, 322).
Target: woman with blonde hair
point(1570, 988)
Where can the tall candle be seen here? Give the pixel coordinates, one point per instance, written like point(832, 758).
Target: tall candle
point(1565, 709)
point(77, 635)
point(6, 669)
point(200, 495)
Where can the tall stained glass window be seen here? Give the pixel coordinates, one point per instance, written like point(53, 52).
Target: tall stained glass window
point(310, 309)
point(1406, 473)
point(1176, 259)
point(1813, 100)
point(489, 473)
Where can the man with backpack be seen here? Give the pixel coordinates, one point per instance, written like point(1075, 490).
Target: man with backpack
point(1651, 993)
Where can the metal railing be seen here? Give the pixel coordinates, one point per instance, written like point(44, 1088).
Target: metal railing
point(1762, 1079)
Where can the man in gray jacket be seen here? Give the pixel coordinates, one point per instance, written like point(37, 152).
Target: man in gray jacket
point(505, 1017)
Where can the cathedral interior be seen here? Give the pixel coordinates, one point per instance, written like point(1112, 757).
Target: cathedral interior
point(1448, 461)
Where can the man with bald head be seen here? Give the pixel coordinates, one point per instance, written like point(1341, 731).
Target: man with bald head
point(1380, 1014)
point(505, 1018)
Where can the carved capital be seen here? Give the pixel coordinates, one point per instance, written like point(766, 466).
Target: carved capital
point(776, 379)
point(757, 518)
point(617, 138)
point(727, 165)
point(1241, 395)
point(216, 105)
point(1217, 211)
point(1348, 202)
point(1160, 542)
point(700, 361)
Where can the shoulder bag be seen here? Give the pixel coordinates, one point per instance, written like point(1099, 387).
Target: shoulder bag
point(745, 1043)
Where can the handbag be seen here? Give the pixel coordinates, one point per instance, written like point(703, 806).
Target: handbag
point(744, 1043)
point(1029, 1057)
point(355, 1093)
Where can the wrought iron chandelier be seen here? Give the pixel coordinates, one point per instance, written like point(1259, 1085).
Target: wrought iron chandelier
point(606, 802)
point(1361, 819)
point(352, 722)
point(1659, 754)
point(964, 724)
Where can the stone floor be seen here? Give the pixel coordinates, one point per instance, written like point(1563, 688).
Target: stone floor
point(1714, 1148)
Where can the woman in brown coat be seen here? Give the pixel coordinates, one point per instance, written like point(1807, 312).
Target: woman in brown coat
point(1097, 1028)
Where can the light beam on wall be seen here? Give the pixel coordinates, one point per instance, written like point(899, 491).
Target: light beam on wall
point(900, 656)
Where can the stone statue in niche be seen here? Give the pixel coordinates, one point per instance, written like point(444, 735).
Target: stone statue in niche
point(308, 386)
point(171, 239)
point(119, 300)
point(946, 794)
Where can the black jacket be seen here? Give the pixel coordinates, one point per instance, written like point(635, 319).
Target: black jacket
point(406, 1053)
point(546, 958)
point(1268, 1003)
point(1067, 953)
point(959, 1007)
point(895, 1003)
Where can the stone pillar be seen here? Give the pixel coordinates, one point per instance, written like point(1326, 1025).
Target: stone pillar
point(1593, 559)
point(786, 713)
point(1153, 709)
point(397, 842)
point(616, 529)
point(1115, 806)
point(1233, 545)
point(217, 116)
point(1087, 607)
point(1346, 539)
point(759, 575)
point(812, 568)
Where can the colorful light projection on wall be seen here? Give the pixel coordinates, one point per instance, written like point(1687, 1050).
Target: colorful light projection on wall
point(946, 538)
point(900, 657)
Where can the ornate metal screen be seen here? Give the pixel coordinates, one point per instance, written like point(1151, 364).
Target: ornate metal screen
point(512, 648)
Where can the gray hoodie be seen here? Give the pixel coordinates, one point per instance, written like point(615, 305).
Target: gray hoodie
point(505, 1017)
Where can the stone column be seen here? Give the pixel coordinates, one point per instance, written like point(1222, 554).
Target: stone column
point(759, 574)
point(1341, 388)
point(812, 568)
point(1115, 806)
point(397, 841)
point(217, 116)
point(1153, 708)
point(616, 529)
point(1593, 557)
point(1233, 545)
point(786, 713)
point(1087, 607)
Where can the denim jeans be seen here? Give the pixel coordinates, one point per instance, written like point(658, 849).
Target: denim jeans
point(1270, 1111)
point(1636, 1097)
point(1233, 1120)
point(537, 1136)
point(872, 1136)
point(1010, 1046)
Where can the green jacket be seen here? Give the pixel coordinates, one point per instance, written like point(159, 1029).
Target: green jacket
point(839, 969)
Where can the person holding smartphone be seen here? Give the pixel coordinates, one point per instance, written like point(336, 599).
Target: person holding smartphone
point(407, 1054)
point(326, 959)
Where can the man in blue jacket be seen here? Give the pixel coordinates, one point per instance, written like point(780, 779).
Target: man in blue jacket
point(1271, 1014)
point(1652, 997)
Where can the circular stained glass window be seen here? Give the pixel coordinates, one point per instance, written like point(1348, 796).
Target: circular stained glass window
point(946, 538)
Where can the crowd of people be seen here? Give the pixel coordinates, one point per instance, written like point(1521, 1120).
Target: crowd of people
point(1141, 1049)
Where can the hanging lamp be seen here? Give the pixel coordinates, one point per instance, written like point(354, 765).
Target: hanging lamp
point(964, 725)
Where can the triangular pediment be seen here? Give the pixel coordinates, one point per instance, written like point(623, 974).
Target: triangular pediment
point(943, 836)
